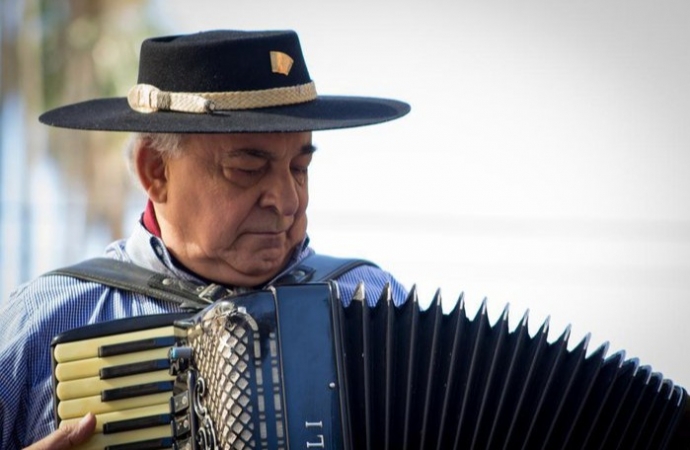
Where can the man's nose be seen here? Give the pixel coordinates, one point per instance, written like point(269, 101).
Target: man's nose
point(281, 193)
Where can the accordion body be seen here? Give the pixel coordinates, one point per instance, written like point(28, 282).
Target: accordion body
point(291, 367)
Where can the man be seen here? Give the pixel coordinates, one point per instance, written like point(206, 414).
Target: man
point(223, 143)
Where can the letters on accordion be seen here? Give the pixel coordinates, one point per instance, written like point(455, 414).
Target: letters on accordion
point(291, 367)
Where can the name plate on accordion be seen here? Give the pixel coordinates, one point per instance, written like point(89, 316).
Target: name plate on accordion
point(291, 367)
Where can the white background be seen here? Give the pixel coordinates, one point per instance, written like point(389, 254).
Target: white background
point(545, 164)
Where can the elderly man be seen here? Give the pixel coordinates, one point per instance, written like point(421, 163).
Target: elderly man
point(223, 125)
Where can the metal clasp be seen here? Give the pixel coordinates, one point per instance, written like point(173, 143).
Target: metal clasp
point(213, 292)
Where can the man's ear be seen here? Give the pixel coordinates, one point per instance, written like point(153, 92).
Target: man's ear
point(151, 169)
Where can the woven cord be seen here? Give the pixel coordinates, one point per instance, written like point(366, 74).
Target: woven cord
point(146, 99)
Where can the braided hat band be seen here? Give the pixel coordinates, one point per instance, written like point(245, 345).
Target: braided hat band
point(145, 98)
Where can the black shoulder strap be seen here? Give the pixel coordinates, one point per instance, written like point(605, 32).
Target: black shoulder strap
point(134, 278)
point(317, 268)
point(130, 277)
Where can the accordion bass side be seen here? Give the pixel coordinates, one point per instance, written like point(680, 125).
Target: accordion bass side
point(290, 367)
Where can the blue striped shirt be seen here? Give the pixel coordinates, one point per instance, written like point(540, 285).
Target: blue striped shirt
point(43, 308)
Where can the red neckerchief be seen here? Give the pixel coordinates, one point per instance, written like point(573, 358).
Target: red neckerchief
point(150, 221)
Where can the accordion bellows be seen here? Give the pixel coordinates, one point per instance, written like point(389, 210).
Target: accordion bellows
point(466, 384)
point(290, 367)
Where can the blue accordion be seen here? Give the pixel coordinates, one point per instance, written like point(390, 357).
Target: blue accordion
point(291, 367)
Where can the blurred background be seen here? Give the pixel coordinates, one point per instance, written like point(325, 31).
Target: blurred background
point(545, 164)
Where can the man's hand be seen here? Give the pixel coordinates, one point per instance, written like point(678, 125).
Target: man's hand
point(68, 436)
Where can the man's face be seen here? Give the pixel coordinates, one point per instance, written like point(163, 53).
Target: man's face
point(235, 205)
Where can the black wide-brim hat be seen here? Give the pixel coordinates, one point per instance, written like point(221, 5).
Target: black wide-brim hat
point(224, 82)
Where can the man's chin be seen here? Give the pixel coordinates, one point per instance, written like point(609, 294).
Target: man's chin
point(261, 268)
point(245, 279)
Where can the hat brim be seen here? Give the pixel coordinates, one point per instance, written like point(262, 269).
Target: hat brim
point(324, 113)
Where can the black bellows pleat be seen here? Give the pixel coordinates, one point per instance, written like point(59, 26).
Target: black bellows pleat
point(423, 379)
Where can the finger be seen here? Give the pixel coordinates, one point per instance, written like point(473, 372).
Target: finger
point(68, 436)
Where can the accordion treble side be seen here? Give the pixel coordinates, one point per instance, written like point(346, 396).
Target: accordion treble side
point(291, 367)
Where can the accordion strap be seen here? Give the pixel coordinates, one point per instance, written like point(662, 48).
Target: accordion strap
point(316, 268)
point(131, 277)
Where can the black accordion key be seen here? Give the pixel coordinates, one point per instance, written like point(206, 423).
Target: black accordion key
point(135, 346)
point(136, 424)
point(136, 391)
point(134, 368)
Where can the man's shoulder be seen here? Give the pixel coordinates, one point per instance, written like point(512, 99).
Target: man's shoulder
point(55, 286)
point(320, 267)
point(59, 299)
point(350, 272)
point(54, 302)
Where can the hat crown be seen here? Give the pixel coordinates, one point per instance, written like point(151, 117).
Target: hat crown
point(221, 61)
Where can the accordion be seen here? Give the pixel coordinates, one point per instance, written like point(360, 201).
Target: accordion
point(291, 367)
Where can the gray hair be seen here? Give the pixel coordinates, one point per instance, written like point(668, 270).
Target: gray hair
point(167, 144)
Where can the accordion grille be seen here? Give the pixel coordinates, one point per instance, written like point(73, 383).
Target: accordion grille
point(228, 366)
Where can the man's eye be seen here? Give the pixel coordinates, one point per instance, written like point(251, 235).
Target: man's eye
point(249, 171)
point(246, 170)
point(300, 174)
point(243, 176)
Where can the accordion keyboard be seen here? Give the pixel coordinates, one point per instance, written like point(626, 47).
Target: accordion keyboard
point(123, 378)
